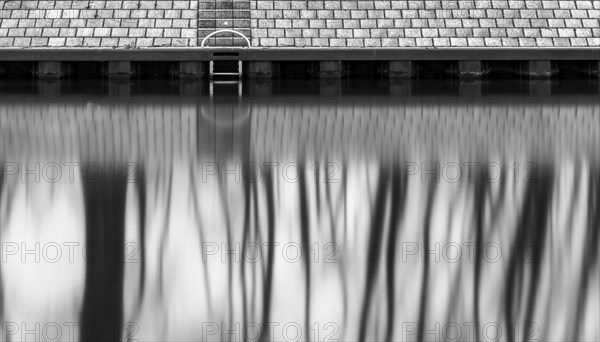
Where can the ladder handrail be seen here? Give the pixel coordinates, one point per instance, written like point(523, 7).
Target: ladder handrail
point(223, 31)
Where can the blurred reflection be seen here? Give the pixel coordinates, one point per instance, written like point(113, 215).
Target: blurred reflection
point(162, 213)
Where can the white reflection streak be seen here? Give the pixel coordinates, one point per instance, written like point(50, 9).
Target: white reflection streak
point(43, 280)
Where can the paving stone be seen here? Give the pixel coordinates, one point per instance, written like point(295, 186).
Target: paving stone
point(443, 42)
point(31, 32)
point(336, 23)
point(39, 42)
point(532, 32)
point(493, 42)
point(406, 42)
point(368, 23)
point(74, 41)
point(88, 20)
point(109, 42)
point(573, 23)
point(481, 32)
point(16, 32)
point(527, 42)
point(419, 23)
point(447, 32)
point(389, 23)
point(464, 32)
point(458, 42)
point(475, 42)
point(566, 32)
point(556, 23)
point(561, 42)
point(412, 33)
point(396, 33)
point(22, 42)
point(57, 42)
point(429, 33)
point(323, 42)
point(594, 42)
point(50, 32)
point(144, 42)
point(583, 33)
point(68, 32)
point(317, 23)
point(549, 33)
point(372, 42)
point(378, 33)
point(162, 42)
point(454, 23)
point(544, 42)
point(402, 23)
point(514, 32)
point(7, 41)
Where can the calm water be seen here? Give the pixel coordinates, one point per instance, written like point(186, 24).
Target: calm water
point(297, 211)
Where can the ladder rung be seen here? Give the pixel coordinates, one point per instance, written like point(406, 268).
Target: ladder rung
point(238, 73)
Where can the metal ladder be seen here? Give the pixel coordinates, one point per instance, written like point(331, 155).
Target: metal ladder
point(237, 81)
point(214, 75)
point(222, 76)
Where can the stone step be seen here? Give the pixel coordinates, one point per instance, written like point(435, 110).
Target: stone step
point(243, 30)
point(224, 5)
point(229, 14)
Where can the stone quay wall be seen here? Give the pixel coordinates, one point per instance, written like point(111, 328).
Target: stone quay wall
point(300, 23)
point(426, 23)
point(93, 24)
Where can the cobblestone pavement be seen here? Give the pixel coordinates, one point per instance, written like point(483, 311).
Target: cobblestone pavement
point(72, 23)
point(301, 23)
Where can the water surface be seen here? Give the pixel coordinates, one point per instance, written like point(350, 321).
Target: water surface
point(293, 210)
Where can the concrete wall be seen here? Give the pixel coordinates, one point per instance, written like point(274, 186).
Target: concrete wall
point(299, 23)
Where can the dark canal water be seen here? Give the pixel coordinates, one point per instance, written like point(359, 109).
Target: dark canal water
point(300, 211)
